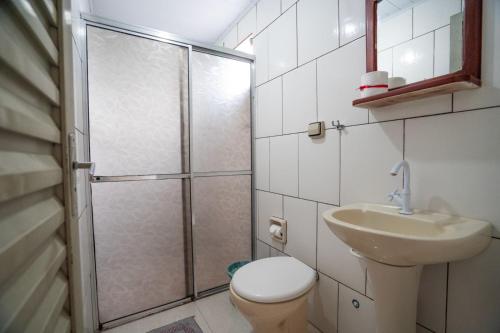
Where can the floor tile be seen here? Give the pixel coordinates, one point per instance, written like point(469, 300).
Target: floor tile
point(163, 318)
point(221, 315)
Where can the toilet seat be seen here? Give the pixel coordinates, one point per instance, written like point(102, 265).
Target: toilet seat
point(273, 280)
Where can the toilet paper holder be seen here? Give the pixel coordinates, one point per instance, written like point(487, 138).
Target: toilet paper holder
point(277, 229)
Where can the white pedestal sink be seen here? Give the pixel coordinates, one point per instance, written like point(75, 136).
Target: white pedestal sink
point(394, 248)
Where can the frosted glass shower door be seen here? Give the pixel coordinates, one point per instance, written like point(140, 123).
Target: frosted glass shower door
point(222, 199)
point(138, 124)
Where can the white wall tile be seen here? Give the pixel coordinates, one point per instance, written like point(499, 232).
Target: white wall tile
point(337, 83)
point(352, 320)
point(318, 31)
point(416, 108)
point(430, 15)
point(248, 25)
point(231, 39)
point(431, 310)
point(489, 92)
point(269, 109)
point(384, 61)
point(368, 152)
point(334, 257)
point(474, 293)
point(283, 43)
point(455, 160)
point(261, 49)
point(414, 59)
point(323, 301)
point(285, 4)
point(262, 164)
point(352, 20)
point(394, 30)
point(442, 51)
point(267, 11)
point(301, 229)
point(319, 167)
point(262, 250)
point(268, 205)
point(299, 98)
point(283, 177)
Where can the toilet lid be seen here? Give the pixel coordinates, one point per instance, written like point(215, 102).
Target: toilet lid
point(273, 280)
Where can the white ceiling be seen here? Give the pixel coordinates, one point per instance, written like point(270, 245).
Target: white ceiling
point(198, 20)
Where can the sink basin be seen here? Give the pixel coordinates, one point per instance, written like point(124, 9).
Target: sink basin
point(380, 233)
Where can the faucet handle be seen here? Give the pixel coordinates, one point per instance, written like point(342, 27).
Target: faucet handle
point(393, 194)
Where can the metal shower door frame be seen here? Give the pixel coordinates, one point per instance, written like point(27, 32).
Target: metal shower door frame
point(161, 36)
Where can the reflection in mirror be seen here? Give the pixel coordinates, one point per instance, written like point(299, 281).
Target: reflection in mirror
point(419, 39)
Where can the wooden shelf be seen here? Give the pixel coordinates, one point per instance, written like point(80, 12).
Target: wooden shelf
point(436, 86)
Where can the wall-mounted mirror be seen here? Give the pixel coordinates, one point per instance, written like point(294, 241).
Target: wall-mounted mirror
point(435, 45)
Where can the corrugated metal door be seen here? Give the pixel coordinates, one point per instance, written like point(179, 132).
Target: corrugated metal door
point(33, 251)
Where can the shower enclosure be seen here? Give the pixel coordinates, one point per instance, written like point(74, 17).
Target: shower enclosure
point(170, 135)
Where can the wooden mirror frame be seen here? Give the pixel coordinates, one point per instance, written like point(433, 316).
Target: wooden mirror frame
point(467, 78)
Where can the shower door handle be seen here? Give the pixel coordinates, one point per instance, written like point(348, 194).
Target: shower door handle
point(85, 165)
point(75, 165)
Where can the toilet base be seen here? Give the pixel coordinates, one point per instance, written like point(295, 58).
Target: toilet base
point(296, 323)
point(284, 317)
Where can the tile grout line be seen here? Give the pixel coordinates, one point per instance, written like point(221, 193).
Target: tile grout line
point(404, 149)
point(296, 34)
point(317, 103)
point(366, 281)
point(298, 166)
point(404, 138)
point(312, 324)
point(434, 54)
point(338, 305)
point(425, 327)
point(317, 223)
point(268, 164)
point(447, 300)
point(300, 198)
point(338, 20)
point(412, 22)
point(282, 108)
point(340, 167)
point(283, 216)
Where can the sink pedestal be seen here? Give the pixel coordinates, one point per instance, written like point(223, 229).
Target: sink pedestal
point(395, 289)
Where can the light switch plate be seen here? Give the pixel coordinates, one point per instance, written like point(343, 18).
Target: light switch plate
point(316, 130)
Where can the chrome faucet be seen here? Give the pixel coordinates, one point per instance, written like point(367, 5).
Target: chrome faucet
point(402, 198)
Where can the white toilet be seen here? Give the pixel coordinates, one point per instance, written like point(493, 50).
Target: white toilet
point(272, 294)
